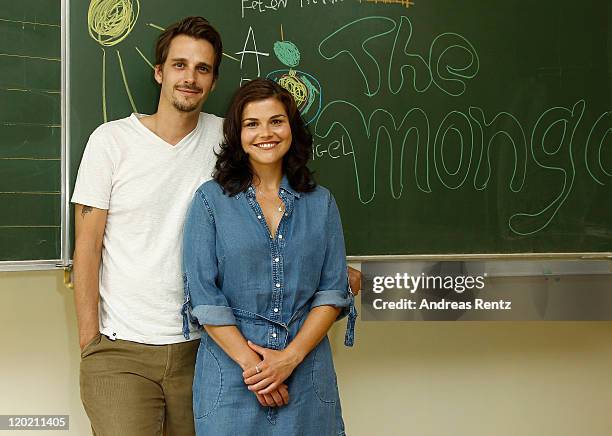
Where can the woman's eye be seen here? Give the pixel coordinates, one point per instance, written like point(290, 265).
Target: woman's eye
point(179, 65)
point(251, 124)
point(277, 122)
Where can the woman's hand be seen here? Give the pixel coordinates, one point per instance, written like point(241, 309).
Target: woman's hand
point(268, 375)
point(277, 398)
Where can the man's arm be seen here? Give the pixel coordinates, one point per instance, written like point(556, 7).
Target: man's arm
point(90, 223)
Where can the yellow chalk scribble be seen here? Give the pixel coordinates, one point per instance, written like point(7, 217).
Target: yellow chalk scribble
point(104, 85)
point(33, 23)
point(292, 84)
point(111, 21)
point(33, 90)
point(155, 26)
point(231, 57)
point(12, 55)
point(144, 58)
point(125, 83)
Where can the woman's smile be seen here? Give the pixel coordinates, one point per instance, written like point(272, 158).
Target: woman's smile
point(266, 145)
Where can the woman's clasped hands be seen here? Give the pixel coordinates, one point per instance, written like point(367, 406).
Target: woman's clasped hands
point(266, 378)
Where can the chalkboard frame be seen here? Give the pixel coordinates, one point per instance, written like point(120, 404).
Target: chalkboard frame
point(65, 103)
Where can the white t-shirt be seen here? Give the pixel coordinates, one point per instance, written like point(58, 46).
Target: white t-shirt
point(147, 185)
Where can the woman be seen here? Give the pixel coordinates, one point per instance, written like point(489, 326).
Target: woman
point(265, 274)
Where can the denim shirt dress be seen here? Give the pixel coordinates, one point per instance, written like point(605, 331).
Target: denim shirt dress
point(237, 273)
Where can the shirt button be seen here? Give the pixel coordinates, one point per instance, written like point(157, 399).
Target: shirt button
point(276, 259)
point(258, 217)
point(273, 335)
point(276, 310)
point(278, 285)
point(280, 236)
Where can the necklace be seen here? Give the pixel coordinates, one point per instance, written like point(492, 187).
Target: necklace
point(281, 205)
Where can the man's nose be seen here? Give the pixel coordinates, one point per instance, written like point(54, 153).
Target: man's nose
point(190, 75)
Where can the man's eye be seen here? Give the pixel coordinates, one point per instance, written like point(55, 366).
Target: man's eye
point(179, 65)
point(204, 69)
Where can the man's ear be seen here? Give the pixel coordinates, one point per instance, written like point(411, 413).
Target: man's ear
point(214, 85)
point(157, 74)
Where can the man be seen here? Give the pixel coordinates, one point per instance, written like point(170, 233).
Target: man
point(135, 183)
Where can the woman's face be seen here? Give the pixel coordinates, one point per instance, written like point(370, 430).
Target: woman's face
point(266, 132)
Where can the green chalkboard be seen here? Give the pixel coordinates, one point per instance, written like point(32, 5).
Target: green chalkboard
point(30, 130)
point(441, 127)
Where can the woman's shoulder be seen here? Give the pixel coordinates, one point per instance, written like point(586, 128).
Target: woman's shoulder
point(211, 189)
point(319, 197)
point(318, 194)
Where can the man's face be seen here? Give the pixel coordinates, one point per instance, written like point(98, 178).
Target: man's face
point(186, 78)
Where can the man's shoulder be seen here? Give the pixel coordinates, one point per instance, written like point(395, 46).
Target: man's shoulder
point(109, 135)
point(112, 127)
point(212, 122)
point(106, 137)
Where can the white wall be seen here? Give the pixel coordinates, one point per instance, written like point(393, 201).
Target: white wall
point(422, 379)
point(39, 368)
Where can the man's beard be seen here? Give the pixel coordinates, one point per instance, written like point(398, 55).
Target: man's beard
point(183, 106)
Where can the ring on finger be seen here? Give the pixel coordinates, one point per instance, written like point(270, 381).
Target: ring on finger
point(257, 369)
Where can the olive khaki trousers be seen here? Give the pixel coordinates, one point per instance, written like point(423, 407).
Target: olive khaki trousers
point(132, 389)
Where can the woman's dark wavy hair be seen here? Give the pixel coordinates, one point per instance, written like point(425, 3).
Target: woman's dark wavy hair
point(233, 171)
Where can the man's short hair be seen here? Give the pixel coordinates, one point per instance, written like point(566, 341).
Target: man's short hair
point(196, 27)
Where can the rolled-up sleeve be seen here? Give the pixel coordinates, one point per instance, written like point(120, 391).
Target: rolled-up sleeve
point(205, 300)
point(333, 286)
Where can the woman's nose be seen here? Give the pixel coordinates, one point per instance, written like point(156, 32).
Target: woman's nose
point(265, 131)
